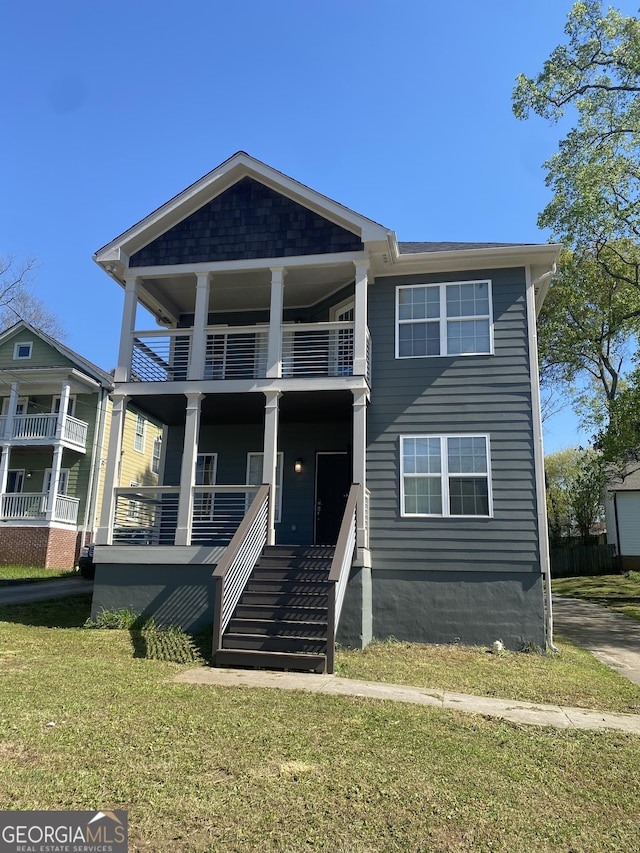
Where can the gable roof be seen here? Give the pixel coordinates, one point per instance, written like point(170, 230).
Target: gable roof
point(113, 257)
point(105, 379)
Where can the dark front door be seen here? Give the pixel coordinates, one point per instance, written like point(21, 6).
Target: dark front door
point(333, 478)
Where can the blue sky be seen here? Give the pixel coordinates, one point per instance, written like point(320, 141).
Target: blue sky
point(400, 111)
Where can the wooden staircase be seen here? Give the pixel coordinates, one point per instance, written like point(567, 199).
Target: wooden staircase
point(280, 621)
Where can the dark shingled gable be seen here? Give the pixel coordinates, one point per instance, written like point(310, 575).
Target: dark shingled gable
point(249, 220)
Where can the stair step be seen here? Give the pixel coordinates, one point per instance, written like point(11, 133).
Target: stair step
point(287, 614)
point(280, 628)
point(311, 563)
point(280, 599)
point(289, 587)
point(320, 551)
point(248, 659)
point(260, 643)
point(290, 574)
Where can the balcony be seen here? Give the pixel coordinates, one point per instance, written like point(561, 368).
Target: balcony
point(33, 507)
point(41, 429)
point(240, 352)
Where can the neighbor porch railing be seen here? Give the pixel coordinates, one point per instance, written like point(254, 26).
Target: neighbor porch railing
point(33, 506)
point(240, 352)
point(340, 570)
point(38, 427)
point(234, 569)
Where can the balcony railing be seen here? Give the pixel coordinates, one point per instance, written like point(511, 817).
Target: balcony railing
point(240, 352)
point(33, 506)
point(42, 429)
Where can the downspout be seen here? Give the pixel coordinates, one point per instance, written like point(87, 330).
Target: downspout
point(94, 478)
point(538, 448)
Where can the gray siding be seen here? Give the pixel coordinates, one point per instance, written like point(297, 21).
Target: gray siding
point(470, 394)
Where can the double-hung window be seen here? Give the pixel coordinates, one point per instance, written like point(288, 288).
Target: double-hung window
point(445, 475)
point(453, 318)
point(138, 437)
point(254, 478)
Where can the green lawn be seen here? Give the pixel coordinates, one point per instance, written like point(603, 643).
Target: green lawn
point(203, 768)
point(617, 592)
point(34, 573)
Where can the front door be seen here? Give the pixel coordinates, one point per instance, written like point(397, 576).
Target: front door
point(333, 479)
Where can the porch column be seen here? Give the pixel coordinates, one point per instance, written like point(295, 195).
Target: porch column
point(54, 483)
point(360, 320)
point(274, 352)
point(360, 464)
point(188, 470)
point(104, 532)
point(6, 439)
point(122, 371)
point(200, 322)
point(270, 457)
point(62, 411)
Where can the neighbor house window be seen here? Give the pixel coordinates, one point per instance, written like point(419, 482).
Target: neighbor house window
point(63, 481)
point(445, 475)
point(71, 405)
point(133, 507)
point(155, 459)
point(254, 478)
point(444, 319)
point(138, 438)
point(22, 350)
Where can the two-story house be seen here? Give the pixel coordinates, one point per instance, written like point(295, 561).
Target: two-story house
point(54, 430)
point(353, 437)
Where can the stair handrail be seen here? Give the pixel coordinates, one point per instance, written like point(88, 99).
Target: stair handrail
point(340, 570)
point(238, 561)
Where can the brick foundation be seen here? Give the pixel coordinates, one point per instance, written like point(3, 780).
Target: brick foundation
point(49, 547)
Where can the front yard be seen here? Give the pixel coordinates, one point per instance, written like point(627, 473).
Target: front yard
point(617, 592)
point(86, 723)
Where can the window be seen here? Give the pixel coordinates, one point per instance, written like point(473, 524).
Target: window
point(444, 319)
point(206, 470)
point(445, 475)
point(21, 405)
point(254, 478)
point(138, 438)
point(63, 481)
point(15, 480)
point(133, 507)
point(71, 405)
point(22, 350)
point(155, 459)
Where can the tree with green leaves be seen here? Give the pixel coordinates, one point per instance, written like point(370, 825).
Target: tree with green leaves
point(574, 485)
point(593, 313)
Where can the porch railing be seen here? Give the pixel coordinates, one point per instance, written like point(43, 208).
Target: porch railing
point(146, 515)
point(339, 572)
point(218, 512)
point(38, 427)
point(33, 506)
point(234, 569)
point(240, 352)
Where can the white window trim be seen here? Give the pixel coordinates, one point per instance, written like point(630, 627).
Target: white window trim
point(442, 319)
point(204, 502)
point(21, 401)
point(139, 436)
point(16, 350)
point(156, 458)
point(63, 481)
point(133, 506)
point(279, 471)
point(444, 475)
point(71, 407)
point(19, 472)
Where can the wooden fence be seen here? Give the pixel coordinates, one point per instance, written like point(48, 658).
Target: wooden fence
point(583, 560)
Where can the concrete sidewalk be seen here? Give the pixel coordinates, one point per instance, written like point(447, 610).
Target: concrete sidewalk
point(39, 590)
point(526, 713)
point(614, 639)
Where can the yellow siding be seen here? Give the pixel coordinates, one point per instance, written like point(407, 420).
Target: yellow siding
point(136, 464)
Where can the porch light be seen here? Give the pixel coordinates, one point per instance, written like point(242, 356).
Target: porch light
point(29, 474)
point(297, 466)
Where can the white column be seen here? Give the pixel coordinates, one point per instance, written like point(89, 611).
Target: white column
point(360, 461)
point(62, 411)
point(360, 320)
point(270, 458)
point(274, 353)
point(122, 371)
point(8, 434)
point(188, 470)
point(200, 322)
point(54, 482)
point(112, 472)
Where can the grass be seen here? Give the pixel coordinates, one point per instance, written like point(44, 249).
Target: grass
point(32, 573)
point(617, 592)
point(203, 769)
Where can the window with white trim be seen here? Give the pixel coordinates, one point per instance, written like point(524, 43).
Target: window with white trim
point(452, 318)
point(254, 478)
point(63, 481)
point(15, 480)
point(71, 405)
point(206, 472)
point(133, 507)
point(155, 458)
point(21, 405)
point(445, 475)
point(138, 438)
point(22, 350)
